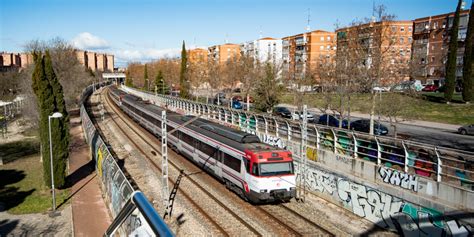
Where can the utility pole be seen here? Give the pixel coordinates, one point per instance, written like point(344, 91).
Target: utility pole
point(304, 160)
point(164, 161)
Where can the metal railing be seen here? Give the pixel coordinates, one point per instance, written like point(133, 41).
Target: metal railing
point(132, 212)
point(438, 163)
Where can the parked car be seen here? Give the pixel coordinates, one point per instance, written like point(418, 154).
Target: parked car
point(298, 115)
point(283, 112)
point(442, 88)
point(363, 125)
point(430, 88)
point(221, 101)
point(381, 88)
point(237, 98)
point(407, 86)
point(236, 104)
point(466, 129)
point(331, 120)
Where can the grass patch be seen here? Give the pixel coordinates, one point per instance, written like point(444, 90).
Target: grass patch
point(426, 107)
point(22, 188)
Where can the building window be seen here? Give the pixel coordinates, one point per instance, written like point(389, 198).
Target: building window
point(410, 39)
point(329, 38)
point(432, 59)
point(394, 29)
point(321, 47)
point(402, 29)
point(322, 38)
point(402, 53)
point(410, 29)
point(402, 40)
point(328, 47)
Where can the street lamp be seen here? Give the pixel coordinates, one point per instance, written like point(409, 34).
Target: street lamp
point(55, 115)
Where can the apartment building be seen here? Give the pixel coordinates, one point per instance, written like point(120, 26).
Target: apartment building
point(264, 50)
point(197, 55)
point(303, 53)
point(431, 43)
point(92, 60)
point(223, 53)
point(385, 45)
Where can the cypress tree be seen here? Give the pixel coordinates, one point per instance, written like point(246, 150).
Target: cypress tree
point(467, 82)
point(59, 126)
point(146, 78)
point(45, 99)
point(183, 84)
point(160, 84)
point(128, 80)
point(451, 64)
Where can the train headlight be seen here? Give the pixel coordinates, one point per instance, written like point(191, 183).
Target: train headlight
point(263, 191)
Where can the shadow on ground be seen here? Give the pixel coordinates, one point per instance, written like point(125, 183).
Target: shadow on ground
point(11, 196)
point(7, 226)
point(12, 228)
point(80, 174)
point(15, 150)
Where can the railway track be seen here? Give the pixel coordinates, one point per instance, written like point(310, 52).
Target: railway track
point(282, 212)
point(294, 227)
point(190, 178)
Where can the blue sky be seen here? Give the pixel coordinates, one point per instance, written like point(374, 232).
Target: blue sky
point(143, 30)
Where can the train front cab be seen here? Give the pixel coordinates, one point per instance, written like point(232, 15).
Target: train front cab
point(270, 176)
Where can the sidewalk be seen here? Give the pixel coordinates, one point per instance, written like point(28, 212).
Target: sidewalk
point(89, 213)
point(418, 123)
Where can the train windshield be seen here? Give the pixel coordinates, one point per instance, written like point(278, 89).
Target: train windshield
point(274, 168)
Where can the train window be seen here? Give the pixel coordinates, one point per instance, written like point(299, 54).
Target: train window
point(169, 128)
point(232, 162)
point(255, 169)
point(186, 138)
point(247, 165)
point(208, 150)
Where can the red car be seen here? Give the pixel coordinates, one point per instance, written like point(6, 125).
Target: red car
point(430, 88)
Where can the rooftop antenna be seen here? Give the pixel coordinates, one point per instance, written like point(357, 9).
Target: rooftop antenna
point(309, 20)
point(373, 11)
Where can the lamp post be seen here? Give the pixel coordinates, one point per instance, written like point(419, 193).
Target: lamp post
point(55, 115)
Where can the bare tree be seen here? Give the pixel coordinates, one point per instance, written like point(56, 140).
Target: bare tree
point(367, 57)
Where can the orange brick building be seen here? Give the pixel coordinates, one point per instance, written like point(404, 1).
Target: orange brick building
point(197, 55)
point(303, 52)
point(431, 43)
point(223, 53)
point(385, 44)
point(92, 60)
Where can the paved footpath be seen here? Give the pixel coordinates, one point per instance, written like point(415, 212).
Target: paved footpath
point(89, 212)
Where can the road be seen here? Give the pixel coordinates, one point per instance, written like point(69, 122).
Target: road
point(445, 137)
point(438, 137)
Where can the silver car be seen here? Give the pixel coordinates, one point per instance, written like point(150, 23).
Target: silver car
point(466, 129)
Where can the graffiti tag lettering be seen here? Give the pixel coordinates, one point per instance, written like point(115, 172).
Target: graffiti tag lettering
point(395, 177)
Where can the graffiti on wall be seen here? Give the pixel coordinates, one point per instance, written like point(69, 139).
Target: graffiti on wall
point(398, 178)
point(344, 159)
point(274, 141)
point(385, 210)
point(312, 154)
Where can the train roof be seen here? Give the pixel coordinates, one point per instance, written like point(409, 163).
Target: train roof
point(230, 136)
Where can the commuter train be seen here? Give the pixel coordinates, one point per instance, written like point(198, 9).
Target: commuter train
point(256, 171)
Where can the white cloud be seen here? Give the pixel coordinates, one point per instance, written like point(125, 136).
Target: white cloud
point(88, 41)
point(146, 54)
